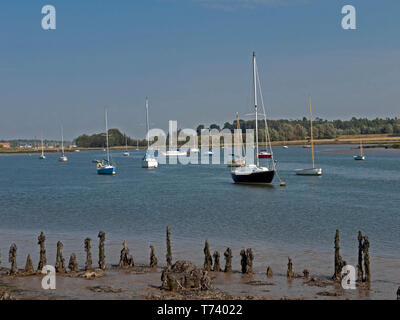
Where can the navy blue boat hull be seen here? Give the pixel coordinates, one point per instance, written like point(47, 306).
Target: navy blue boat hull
point(254, 178)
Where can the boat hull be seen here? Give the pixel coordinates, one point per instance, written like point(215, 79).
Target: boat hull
point(63, 159)
point(261, 177)
point(149, 163)
point(106, 170)
point(309, 172)
point(265, 156)
point(359, 157)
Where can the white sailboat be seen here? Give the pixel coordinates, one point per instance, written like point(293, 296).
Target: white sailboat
point(361, 155)
point(237, 161)
point(148, 161)
point(105, 166)
point(126, 153)
point(253, 173)
point(63, 157)
point(42, 156)
point(311, 171)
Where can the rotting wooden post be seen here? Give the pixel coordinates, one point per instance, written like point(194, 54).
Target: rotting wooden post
point(339, 262)
point(12, 258)
point(29, 266)
point(216, 267)
point(360, 272)
point(153, 258)
point(269, 272)
point(73, 263)
point(169, 250)
point(42, 259)
point(207, 257)
point(60, 262)
point(367, 276)
point(88, 263)
point(102, 257)
point(228, 260)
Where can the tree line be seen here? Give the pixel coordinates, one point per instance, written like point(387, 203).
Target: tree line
point(115, 138)
point(280, 130)
point(288, 130)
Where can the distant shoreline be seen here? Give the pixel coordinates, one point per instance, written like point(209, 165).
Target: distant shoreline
point(377, 141)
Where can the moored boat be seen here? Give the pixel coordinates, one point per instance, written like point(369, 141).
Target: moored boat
point(310, 171)
point(63, 157)
point(105, 167)
point(253, 173)
point(148, 161)
point(361, 155)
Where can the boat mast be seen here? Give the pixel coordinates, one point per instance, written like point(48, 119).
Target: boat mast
point(361, 147)
point(311, 133)
point(62, 141)
point(42, 146)
point(255, 102)
point(108, 151)
point(147, 122)
point(239, 133)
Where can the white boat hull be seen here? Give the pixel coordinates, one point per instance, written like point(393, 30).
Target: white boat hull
point(174, 153)
point(149, 163)
point(309, 172)
point(359, 157)
point(63, 159)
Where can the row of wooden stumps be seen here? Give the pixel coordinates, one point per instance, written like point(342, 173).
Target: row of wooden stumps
point(60, 266)
point(126, 260)
point(211, 263)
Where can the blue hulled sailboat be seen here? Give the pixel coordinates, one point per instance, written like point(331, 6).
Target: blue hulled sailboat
point(105, 166)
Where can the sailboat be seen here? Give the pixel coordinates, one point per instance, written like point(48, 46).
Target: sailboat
point(126, 153)
point(237, 161)
point(63, 157)
point(148, 160)
point(105, 166)
point(311, 171)
point(42, 156)
point(361, 155)
point(253, 173)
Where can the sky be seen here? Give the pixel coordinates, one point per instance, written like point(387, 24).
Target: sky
point(192, 58)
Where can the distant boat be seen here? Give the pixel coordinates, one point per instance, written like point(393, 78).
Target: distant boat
point(264, 154)
point(285, 147)
point(311, 171)
point(174, 153)
point(361, 155)
point(237, 161)
point(105, 167)
point(126, 153)
point(148, 161)
point(194, 150)
point(77, 150)
point(307, 146)
point(253, 173)
point(63, 157)
point(42, 156)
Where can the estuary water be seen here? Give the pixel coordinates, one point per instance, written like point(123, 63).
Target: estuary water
point(69, 202)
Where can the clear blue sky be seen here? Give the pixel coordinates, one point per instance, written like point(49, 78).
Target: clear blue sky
point(193, 59)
